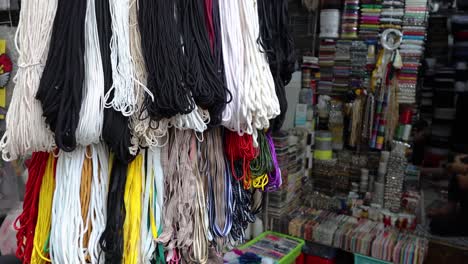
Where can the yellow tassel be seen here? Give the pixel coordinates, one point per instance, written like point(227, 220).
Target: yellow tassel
point(260, 182)
point(132, 199)
point(44, 215)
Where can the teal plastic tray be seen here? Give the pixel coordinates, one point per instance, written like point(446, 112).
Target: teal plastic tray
point(289, 258)
point(361, 259)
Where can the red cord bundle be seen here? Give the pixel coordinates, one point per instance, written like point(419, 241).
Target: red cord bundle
point(25, 224)
point(240, 149)
point(209, 22)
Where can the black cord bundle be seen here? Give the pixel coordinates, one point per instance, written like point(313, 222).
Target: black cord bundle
point(217, 45)
point(162, 50)
point(60, 88)
point(111, 240)
point(207, 86)
point(277, 42)
point(242, 212)
point(116, 129)
point(257, 205)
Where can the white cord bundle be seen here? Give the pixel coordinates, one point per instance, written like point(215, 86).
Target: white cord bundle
point(26, 130)
point(233, 54)
point(154, 133)
point(153, 198)
point(154, 156)
point(197, 120)
point(248, 74)
point(122, 66)
point(147, 245)
point(66, 246)
point(89, 128)
point(262, 102)
point(98, 203)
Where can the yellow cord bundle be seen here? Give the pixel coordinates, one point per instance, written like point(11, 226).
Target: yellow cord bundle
point(44, 216)
point(132, 199)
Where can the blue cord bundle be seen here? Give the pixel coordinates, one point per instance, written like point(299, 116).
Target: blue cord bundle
point(250, 258)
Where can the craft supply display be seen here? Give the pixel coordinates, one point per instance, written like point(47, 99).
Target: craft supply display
point(359, 185)
point(388, 242)
point(151, 126)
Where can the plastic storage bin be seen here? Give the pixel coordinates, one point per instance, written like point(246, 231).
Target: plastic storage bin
point(319, 260)
point(289, 258)
point(319, 250)
point(361, 259)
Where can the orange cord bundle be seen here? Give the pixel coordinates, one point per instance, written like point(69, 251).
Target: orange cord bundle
point(25, 224)
point(85, 197)
point(240, 149)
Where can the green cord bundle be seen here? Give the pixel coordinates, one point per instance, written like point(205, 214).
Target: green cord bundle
point(263, 163)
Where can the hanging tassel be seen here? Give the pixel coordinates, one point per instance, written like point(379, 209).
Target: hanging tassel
point(199, 250)
point(152, 221)
point(277, 42)
point(162, 52)
point(85, 197)
point(234, 116)
point(97, 206)
point(147, 245)
point(218, 189)
point(92, 110)
point(67, 211)
point(240, 152)
point(116, 130)
point(261, 101)
point(111, 241)
point(25, 224)
point(121, 96)
point(40, 254)
point(242, 213)
point(26, 131)
point(180, 193)
point(60, 89)
point(274, 177)
point(207, 88)
point(132, 200)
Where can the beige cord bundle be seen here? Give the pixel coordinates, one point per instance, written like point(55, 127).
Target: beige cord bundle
point(139, 126)
point(26, 130)
point(184, 198)
point(180, 192)
point(199, 252)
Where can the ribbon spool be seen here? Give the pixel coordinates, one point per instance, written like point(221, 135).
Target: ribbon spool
point(329, 23)
point(406, 116)
point(391, 39)
point(323, 145)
